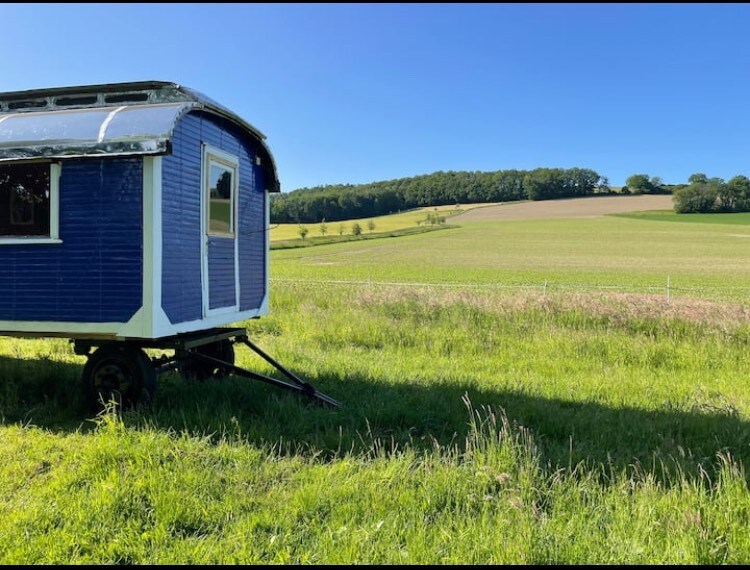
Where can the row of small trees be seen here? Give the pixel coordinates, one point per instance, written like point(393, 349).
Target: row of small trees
point(356, 229)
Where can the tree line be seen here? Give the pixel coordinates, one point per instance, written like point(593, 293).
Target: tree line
point(349, 201)
point(645, 184)
point(701, 194)
point(704, 194)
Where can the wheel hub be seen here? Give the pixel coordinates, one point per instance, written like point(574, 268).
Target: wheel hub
point(111, 378)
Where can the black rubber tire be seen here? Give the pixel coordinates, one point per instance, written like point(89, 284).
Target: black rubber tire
point(195, 369)
point(120, 372)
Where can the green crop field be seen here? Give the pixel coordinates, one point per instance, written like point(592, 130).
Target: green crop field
point(488, 419)
point(605, 251)
point(740, 219)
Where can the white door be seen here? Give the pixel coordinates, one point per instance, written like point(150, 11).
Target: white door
point(219, 198)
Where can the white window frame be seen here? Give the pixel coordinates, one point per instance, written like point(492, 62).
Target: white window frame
point(213, 155)
point(54, 210)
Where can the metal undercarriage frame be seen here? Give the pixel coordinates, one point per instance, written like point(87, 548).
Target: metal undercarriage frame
point(184, 345)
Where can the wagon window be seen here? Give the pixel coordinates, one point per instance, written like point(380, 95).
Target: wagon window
point(221, 193)
point(28, 200)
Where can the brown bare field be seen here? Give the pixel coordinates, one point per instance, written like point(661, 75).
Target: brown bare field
point(568, 208)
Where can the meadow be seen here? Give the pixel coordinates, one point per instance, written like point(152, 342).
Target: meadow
point(638, 254)
point(486, 419)
point(738, 219)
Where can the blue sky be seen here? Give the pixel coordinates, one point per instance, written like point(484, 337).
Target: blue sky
point(353, 93)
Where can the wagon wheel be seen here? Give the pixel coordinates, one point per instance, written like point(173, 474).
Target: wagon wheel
point(119, 372)
point(196, 369)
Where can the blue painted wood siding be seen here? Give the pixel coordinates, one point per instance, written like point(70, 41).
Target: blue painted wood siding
point(95, 275)
point(181, 238)
point(221, 276)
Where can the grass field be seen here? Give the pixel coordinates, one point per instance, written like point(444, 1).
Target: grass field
point(740, 219)
point(481, 424)
point(605, 251)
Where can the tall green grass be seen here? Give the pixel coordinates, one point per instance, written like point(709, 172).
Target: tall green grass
point(479, 427)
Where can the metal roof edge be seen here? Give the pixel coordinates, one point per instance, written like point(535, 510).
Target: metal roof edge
point(161, 92)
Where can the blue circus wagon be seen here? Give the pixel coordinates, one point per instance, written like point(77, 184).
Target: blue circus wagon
point(132, 216)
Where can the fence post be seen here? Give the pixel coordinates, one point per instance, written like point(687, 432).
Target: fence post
point(545, 287)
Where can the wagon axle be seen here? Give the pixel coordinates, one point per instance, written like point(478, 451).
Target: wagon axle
point(123, 372)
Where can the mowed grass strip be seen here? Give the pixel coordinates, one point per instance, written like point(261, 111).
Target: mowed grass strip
point(478, 427)
point(739, 219)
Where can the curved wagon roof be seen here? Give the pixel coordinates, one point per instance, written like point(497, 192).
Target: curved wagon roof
point(107, 120)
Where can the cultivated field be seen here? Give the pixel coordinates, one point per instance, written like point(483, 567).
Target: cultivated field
point(570, 208)
point(488, 418)
point(707, 260)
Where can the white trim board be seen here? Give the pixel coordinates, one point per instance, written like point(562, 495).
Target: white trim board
point(59, 328)
point(149, 317)
point(120, 331)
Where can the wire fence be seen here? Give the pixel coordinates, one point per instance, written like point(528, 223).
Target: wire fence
point(667, 290)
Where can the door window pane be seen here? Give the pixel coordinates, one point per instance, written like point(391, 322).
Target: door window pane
point(221, 199)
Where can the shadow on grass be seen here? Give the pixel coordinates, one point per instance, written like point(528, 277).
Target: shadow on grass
point(47, 394)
